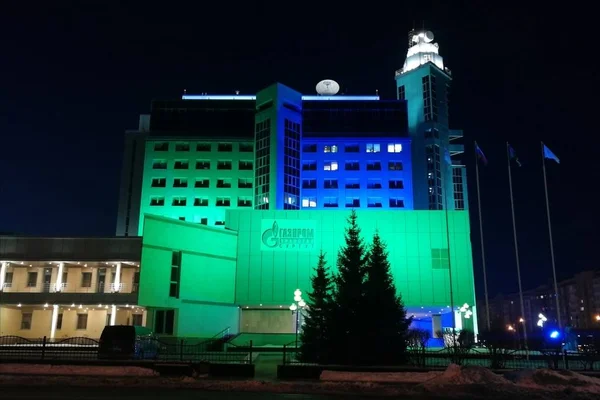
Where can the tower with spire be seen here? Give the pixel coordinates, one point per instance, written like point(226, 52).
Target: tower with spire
point(439, 178)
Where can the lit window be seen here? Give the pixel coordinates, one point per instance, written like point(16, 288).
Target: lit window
point(330, 149)
point(330, 166)
point(373, 147)
point(394, 148)
point(309, 202)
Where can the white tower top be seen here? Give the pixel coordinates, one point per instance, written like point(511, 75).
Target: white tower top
point(421, 50)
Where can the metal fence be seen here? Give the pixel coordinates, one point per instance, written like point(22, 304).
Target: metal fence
point(15, 349)
point(500, 359)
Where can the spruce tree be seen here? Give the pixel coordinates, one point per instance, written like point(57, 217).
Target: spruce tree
point(315, 332)
point(348, 326)
point(388, 325)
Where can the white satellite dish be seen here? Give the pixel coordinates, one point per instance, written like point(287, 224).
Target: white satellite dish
point(328, 87)
point(428, 37)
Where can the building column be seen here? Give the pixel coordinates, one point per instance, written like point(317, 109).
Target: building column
point(458, 325)
point(436, 326)
point(113, 314)
point(475, 325)
point(3, 267)
point(59, 274)
point(117, 282)
point(54, 320)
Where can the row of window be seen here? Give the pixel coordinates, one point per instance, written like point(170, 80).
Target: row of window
point(353, 148)
point(81, 324)
point(242, 183)
point(221, 201)
point(353, 202)
point(352, 166)
point(352, 184)
point(243, 165)
point(204, 147)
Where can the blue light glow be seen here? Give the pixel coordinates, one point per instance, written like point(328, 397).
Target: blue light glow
point(554, 335)
point(249, 97)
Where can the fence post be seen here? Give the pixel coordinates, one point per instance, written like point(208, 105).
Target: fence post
point(250, 354)
point(43, 347)
point(181, 350)
point(284, 348)
point(566, 359)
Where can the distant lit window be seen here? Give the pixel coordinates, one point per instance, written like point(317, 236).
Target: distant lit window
point(309, 202)
point(157, 201)
point(373, 147)
point(394, 148)
point(179, 201)
point(182, 147)
point(330, 149)
point(330, 166)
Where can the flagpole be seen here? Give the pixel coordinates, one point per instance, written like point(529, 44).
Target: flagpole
point(512, 207)
point(487, 302)
point(551, 241)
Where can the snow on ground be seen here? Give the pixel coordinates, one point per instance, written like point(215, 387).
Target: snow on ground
point(74, 370)
point(467, 375)
point(547, 379)
point(381, 377)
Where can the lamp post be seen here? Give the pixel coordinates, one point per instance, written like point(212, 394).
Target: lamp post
point(296, 306)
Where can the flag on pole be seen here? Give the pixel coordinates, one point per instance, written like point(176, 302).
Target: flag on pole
point(549, 154)
point(513, 155)
point(480, 156)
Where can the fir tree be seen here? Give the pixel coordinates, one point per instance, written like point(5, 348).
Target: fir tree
point(315, 332)
point(388, 325)
point(348, 326)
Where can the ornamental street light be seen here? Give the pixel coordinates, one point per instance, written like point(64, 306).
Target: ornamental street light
point(297, 306)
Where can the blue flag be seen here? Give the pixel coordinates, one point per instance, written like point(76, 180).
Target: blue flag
point(480, 156)
point(512, 154)
point(550, 155)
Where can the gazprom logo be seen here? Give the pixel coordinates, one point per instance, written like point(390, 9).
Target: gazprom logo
point(291, 235)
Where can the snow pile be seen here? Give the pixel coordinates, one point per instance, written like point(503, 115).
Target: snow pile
point(467, 375)
point(555, 380)
point(381, 377)
point(79, 370)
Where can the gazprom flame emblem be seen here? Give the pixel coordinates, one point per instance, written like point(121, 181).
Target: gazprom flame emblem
point(270, 237)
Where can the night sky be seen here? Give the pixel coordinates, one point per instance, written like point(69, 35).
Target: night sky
point(76, 76)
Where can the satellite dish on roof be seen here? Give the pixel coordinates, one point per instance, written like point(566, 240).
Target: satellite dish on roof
point(328, 87)
point(428, 37)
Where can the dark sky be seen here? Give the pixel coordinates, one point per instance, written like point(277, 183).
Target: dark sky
point(76, 76)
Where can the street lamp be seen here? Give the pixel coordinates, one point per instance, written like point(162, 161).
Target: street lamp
point(298, 305)
point(541, 320)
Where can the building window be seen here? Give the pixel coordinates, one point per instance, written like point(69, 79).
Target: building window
point(309, 202)
point(401, 93)
point(203, 221)
point(175, 274)
point(179, 201)
point(137, 319)
point(309, 166)
point(458, 185)
point(352, 202)
point(432, 134)
point(159, 182)
point(309, 183)
point(395, 166)
point(330, 202)
point(244, 202)
point(330, 166)
point(86, 279)
point(180, 182)
point(330, 149)
point(439, 259)
point(352, 166)
point(373, 147)
point(201, 202)
point(374, 202)
point(223, 202)
point(245, 165)
point(182, 147)
point(396, 202)
point(309, 148)
point(26, 319)
point(225, 147)
point(203, 147)
point(202, 164)
point(245, 183)
point(59, 320)
point(159, 164)
point(434, 176)
point(352, 148)
point(374, 184)
point(246, 147)
point(32, 278)
point(352, 184)
point(182, 218)
point(161, 146)
point(330, 184)
point(157, 201)
point(394, 147)
point(8, 279)
point(396, 184)
point(262, 173)
point(224, 183)
point(164, 322)
point(222, 164)
point(374, 166)
point(82, 320)
point(202, 183)
point(182, 164)
point(219, 223)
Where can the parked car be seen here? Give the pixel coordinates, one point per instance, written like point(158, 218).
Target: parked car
point(128, 342)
